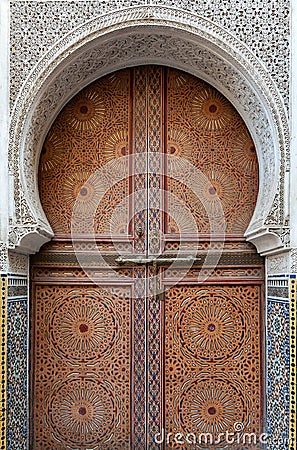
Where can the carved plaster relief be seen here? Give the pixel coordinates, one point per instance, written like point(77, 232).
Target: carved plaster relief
point(149, 35)
point(262, 26)
point(278, 263)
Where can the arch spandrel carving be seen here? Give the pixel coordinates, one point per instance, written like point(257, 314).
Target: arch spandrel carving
point(153, 35)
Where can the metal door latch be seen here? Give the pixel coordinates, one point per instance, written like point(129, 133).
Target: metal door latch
point(156, 260)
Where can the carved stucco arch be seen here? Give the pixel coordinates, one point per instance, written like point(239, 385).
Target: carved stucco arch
point(148, 35)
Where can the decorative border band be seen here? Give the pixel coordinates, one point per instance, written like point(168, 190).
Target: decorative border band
point(4, 290)
point(293, 359)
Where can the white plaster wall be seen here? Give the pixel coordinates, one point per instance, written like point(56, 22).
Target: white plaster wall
point(293, 122)
point(4, 116)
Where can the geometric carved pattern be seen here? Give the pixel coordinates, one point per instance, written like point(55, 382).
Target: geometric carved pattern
point(155, 111)
point(78, 339)
point(205, 129)
point(86, 407)
point(211, 332)
point(3, 344)
point(211, 403)
point(17, 375)
point(293, 358)
point(83, 356)
point(278, 369)
point(81, 367)
point(213, 359)
point(270, 43)
point(140, 147)
point(88, 133)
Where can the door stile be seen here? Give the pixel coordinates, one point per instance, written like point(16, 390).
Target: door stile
point(155, 232)
point(148, 133)
point(139, 150)
point(140, 218)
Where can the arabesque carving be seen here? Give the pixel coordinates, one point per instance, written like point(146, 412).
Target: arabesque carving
point(212, 54)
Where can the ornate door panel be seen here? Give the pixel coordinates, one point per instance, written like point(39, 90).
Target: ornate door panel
point(88, 133)
point(205, 130)
point(135, 330)
point(213, 363)
point(83, 347)
point(82, 366)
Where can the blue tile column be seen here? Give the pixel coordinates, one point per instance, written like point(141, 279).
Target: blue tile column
point(279, 362)
point(17, 437)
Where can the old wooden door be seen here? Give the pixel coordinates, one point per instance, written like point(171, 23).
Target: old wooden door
point(146, 305)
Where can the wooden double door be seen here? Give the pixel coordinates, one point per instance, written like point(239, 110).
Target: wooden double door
point(146, 305)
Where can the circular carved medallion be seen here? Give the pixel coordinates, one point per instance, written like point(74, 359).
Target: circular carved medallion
point(83, 327)
point(211, 110)
point(211, 406)
point(212, 327)
point(81, 411)
point(86, 111)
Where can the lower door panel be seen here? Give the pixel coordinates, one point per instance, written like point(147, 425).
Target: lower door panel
point(82, 361)
point(212, 364)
